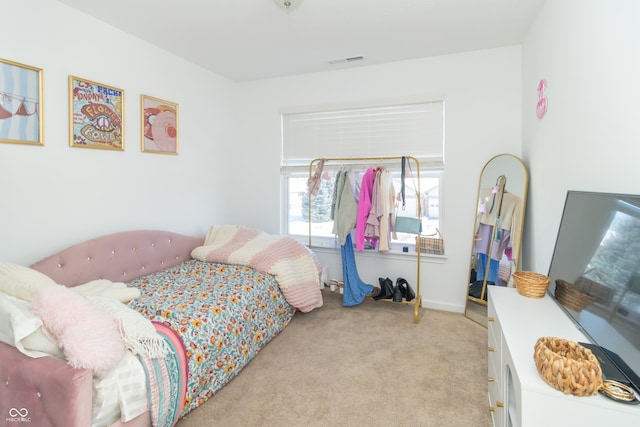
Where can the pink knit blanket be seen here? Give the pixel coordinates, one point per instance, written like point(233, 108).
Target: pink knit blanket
point(293, 265)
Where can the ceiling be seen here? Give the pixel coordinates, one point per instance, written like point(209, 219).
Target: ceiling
point(245, 40)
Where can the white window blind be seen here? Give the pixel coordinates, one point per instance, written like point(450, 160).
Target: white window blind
point(415, 129)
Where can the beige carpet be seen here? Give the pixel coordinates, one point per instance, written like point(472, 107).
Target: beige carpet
point(368, 365)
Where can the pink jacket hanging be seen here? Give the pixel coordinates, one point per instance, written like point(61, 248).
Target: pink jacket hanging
point(364, 207)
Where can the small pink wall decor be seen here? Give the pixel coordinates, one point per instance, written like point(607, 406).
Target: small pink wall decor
point(541, 106)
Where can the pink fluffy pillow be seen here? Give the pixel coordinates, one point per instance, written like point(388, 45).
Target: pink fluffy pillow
point(88, 337)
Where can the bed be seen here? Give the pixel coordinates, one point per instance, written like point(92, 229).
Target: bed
point(213, 302)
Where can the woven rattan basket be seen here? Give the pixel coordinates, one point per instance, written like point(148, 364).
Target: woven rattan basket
point(572, 297)
point(567, 366)
point(530, 284)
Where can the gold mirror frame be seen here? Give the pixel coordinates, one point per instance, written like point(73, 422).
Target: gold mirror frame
point(504, 176)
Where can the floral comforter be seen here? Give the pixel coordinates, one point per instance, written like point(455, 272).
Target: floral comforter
point(223, 313)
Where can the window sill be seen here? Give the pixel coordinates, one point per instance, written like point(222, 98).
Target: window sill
point(393, 254)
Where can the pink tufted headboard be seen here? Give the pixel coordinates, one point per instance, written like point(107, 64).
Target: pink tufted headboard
point(49, 391)
point(119, 257)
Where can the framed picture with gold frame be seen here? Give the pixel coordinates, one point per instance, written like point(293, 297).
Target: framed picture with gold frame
point(96, 115)
point(21, 104)
point(159, 125)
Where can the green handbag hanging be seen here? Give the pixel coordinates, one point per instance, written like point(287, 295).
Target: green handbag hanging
point(406, 224)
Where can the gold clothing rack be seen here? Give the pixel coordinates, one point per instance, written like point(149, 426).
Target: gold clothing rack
point(417, 301)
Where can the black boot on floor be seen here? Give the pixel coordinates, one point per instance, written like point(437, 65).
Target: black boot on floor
point(397, 293)
point(386, 289)
point(405, 289)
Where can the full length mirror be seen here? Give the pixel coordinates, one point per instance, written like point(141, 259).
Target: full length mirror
point(497, 235)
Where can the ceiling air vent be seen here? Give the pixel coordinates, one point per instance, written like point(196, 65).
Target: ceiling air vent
point(345, 60)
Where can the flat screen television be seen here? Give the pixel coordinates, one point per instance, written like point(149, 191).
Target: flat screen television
point(597, 252)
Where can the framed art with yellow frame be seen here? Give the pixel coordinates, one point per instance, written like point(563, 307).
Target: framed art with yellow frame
point(159, 124)
point(21, 104)
point(96, 115)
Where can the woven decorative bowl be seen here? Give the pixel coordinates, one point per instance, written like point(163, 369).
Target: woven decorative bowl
point(530, 284)
point(572, 297)
point(567, 366)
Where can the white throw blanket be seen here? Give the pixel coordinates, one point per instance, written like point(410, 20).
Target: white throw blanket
point(107, 288)
point(295, 268)
point(138, 333)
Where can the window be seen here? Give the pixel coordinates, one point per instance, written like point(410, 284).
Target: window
point(413, 129)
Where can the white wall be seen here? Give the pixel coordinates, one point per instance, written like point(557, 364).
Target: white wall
point(589, 139)
point(482, 112)
point(55, 195)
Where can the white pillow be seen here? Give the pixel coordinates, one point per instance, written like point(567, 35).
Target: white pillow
point(22, 329)
point(22, 282)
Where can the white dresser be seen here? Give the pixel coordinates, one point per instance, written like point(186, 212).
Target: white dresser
point(518, 397)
